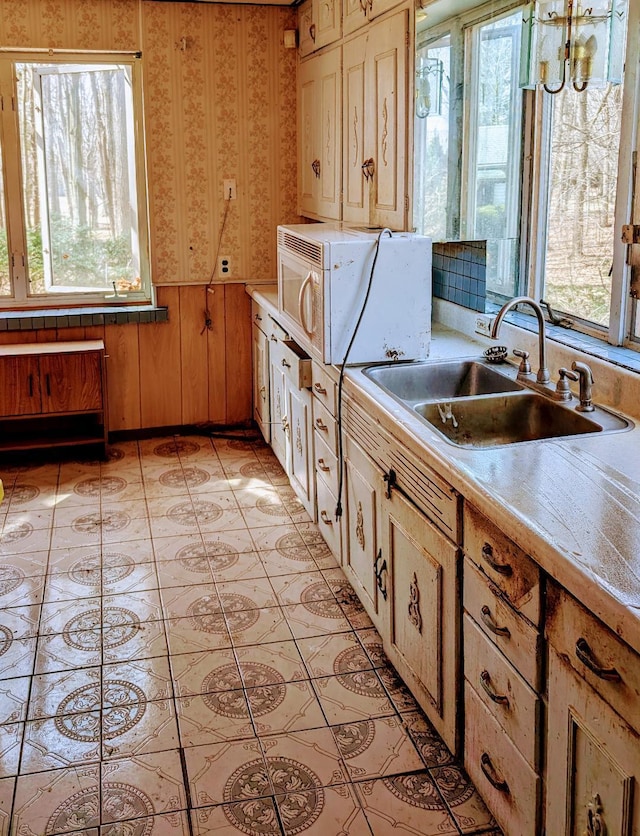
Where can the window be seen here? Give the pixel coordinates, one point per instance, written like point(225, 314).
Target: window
point(547, 180)
point(72, 209)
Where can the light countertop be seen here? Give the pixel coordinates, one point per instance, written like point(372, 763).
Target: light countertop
point(573, 504)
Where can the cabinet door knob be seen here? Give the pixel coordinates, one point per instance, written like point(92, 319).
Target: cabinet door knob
point(500, 568)
point(258, 317)
point(380, 573)
point(585, 655)
point(490, 624)
point(325, 518)
point(312, 32)
point(320, 424)
point(315, 165)
point(491, 775)
point(322, 466)
point(286, 363)
point(319, 389)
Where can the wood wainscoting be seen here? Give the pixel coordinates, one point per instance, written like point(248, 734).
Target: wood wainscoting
point(174, 373)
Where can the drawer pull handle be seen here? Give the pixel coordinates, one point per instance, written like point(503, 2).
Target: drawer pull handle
point(322, 466)
point(286, 363)
point(320, 424)
point(488, 621)
point(325, 518)
point(273, 338)
point(585, 655)
point(491, 775)
point(500, 568)
point(319, 389)
point(258, 317)
point(485, 681)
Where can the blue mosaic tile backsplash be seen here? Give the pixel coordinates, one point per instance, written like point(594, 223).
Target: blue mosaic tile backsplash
point(460, 273)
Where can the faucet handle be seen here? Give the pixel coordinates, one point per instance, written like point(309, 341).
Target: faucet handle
point(563, 392)
point(524, 369)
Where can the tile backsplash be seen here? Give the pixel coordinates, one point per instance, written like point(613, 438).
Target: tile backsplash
point(460, 273)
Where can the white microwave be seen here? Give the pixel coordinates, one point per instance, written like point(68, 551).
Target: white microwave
point(324, 271)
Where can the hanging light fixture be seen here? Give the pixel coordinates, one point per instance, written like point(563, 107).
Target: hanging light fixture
point(568, 42)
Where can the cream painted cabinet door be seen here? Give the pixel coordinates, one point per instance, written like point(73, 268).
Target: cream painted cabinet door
point(328, 21)
point(354, 15)
point(593, 757)
point(306, 41)
point(261, 411)
point(320, 119)
point(299, 432)
point(423, 613)
point(279, 418)
point(375, 124)
point(362, 560)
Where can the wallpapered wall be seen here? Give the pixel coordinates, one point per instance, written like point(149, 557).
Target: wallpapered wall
point(220, 103)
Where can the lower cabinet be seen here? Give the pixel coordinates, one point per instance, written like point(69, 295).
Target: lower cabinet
point(423, 612)
point(261, 386)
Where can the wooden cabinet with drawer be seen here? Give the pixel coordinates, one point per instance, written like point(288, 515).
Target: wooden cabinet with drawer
point(325, 435)
point(593, 734)
point(52, 394)
point(503, 674)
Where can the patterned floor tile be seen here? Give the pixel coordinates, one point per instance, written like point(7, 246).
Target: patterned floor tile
point(318, 812)
point(128, 638)
point(251, 817)
point(13, 699)
point(333, 654)
point(462, 799)
point(255, 593)
point(65, 692)
point(351, 697)
point(64, 741)
point(256, 626)
point(144, 785)
point(10, 743)
point(316, 618)
point(205, 673)
point(196, 633)
point(67, 651)
point(284, 707)
point(428, 743)
point(57, 801)
point(214, 718)
point(200, 601)
point(7, 786)
point(313, 750)
point(266, 664)
point(169, 824)
point(138, 729)
point(225, 772)
point(276, 563)
point(409, 804)
point(374, 748)
point(17, 656)
point(305, 586)
point(136, 681)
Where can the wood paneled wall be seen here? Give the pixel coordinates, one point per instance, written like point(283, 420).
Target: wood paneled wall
point(219, 103)
point(174, 373)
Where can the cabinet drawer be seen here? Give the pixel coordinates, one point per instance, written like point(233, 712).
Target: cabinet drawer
point(517, 639)
point(609, 665)
point(295, 364)
point(260, 317)
point(503, 692)
point(327, 523)
point(325, 426)
point(510, 788)
point(326, 462)
point(504, 562)
point(324, 389)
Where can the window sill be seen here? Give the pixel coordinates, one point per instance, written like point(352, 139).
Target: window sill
point(37, 320)
point(617, 355)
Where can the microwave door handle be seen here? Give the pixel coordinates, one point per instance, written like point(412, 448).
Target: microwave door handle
point(303, 289)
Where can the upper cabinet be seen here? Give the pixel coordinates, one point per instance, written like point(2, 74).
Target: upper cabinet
point(319, 24)
point(356, 13)
point(319, 132)
point(375, 124)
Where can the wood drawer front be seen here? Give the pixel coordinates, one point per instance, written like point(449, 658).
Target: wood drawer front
point(324, 389)
point(327, 523)
point(296, 365)
point(274, 330)
point(326, 462)
point(325, 426)
point(516, 574)
point(488, 750)
point(517, 639)
point(609, 665)
point(260, 317)
point(502, 690)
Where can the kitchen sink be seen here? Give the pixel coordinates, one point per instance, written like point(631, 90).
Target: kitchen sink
point(422, 381)
point(474, 405)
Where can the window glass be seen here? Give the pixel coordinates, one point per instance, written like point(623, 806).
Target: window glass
point(5, 277)
point(584, 140)
point(495, 149)
point(431, 138)
point(79, 189)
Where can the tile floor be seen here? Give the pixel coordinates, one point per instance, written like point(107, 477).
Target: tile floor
point(180, 654)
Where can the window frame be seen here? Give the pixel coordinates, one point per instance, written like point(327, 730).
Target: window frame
point(624, 323)
point(20, 297)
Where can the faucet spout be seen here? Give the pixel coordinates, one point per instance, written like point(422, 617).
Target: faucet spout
point(543, 375)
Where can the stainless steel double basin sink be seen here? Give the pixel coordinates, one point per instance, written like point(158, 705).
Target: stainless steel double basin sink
point(473, 404)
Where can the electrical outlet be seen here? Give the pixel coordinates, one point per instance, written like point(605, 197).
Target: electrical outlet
point(483, 324)
point(229, 189)
point(224, 266)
